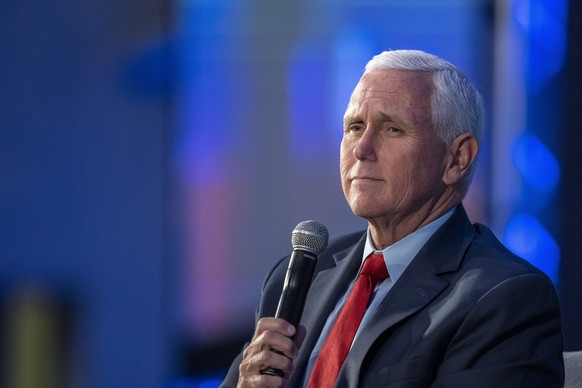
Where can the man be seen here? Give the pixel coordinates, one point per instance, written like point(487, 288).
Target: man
point(453, 307)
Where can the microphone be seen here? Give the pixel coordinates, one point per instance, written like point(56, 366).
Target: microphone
point(309, 239)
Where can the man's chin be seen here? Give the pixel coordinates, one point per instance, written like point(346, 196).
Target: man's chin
point(366, 213)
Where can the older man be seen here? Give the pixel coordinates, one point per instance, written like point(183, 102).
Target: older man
point(423, 297)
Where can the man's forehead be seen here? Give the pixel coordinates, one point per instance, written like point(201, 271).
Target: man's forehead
point(390, 94)
point(392, 83)
point(382, 80)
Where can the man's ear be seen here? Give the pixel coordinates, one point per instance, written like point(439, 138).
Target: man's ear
point(460, 156)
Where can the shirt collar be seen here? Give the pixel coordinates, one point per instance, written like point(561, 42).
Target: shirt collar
point(399, 255)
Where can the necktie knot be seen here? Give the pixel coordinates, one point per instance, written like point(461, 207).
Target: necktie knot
point(375, 268)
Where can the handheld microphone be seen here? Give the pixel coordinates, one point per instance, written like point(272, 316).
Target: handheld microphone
point(309, 239)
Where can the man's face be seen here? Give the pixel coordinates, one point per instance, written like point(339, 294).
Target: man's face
point(391, 158)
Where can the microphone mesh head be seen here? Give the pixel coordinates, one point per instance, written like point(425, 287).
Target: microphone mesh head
point(310, 235)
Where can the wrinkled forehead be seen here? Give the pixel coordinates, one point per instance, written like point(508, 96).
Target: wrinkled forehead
point(392, 89)
point(406, 83)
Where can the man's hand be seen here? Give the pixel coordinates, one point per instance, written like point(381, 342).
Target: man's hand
point(274, 345)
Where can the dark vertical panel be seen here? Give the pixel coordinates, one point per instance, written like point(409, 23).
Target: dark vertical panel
point(571, 285)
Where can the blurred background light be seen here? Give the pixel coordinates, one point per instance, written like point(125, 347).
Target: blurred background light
point(537, 165)
point(527, 238)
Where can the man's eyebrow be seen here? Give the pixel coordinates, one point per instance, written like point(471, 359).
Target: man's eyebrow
point(351, 117)
point(357, 117)
point(388, 117)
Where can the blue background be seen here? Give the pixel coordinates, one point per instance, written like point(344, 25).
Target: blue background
point(155, 157)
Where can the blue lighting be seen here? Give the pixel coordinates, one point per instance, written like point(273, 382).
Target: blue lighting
point(544, 38)
point(544, 22)
point(526, 237)
point(536, 163)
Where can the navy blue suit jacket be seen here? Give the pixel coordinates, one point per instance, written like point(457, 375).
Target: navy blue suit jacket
point(465, 313)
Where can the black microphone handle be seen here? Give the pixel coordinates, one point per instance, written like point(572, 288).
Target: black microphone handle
point(297, 282)
point(296, 286)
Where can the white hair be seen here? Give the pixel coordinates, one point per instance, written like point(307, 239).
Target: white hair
point(457, 106)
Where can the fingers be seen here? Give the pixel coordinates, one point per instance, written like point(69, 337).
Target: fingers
point(276, 334)
point(272, 346)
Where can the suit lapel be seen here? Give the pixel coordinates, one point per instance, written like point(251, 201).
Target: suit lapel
point(404, 300)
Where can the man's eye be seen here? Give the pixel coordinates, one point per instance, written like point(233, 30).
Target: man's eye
point(355, 128)
point(394, 129)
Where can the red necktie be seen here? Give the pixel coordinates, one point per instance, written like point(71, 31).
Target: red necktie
point(340, 338)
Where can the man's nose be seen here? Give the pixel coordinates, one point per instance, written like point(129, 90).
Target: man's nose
point(365, 148)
